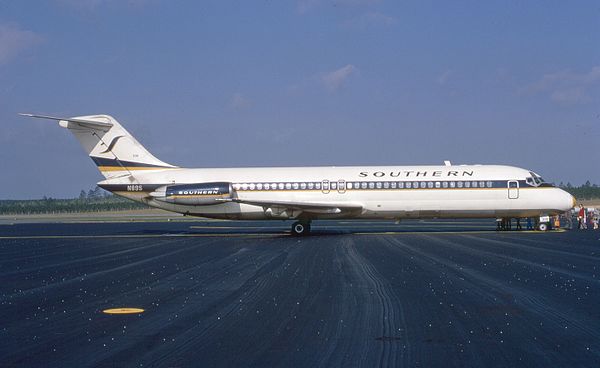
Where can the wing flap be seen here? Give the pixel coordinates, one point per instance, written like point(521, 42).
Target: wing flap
point(309, 207)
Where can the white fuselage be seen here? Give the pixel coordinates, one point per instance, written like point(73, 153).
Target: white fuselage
point(389, 192)
point(308, 193)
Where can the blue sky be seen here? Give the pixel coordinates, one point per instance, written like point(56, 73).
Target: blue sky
point(308, 82)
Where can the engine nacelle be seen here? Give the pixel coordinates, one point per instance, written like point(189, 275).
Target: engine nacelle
point(198, 194)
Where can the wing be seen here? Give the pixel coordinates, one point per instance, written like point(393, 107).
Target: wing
point(306, 207)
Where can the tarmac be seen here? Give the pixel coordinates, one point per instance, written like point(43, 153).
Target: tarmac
point(248, 294)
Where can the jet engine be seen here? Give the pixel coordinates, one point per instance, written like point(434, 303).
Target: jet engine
point(198, 194)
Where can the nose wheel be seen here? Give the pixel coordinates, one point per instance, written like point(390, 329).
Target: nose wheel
point(300, 228)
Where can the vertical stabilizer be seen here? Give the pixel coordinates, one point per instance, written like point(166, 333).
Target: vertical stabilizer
point(114, 150)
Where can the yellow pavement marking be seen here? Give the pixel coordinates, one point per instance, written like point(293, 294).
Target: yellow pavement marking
point(123, 311)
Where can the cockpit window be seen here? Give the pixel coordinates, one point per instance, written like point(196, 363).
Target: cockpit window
point(535, 180)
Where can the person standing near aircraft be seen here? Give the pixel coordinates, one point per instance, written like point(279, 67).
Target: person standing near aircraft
point(581, 217)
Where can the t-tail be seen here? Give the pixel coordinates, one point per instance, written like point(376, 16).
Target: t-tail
point(115, 151)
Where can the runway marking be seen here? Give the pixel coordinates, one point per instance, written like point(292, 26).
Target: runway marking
point(123, 311)
point(260, 235)
point(238, 227)
point(27, 237)
point(321, 226)
point(460, 232)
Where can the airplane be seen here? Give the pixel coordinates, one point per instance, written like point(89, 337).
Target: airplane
point(304, 194)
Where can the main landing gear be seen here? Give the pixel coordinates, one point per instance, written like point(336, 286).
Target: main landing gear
point(300, 228)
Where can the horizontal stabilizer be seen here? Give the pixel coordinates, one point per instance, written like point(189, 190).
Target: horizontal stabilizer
point(92, 124)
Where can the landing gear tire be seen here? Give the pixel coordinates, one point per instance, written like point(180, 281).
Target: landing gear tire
point(300, 228)
point(543, 227)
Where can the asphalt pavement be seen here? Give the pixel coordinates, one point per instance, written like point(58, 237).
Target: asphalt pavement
point(236, 294)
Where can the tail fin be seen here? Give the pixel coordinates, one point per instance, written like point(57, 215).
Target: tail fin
point(111, 147)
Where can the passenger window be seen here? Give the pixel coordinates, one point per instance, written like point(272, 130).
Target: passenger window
point(317, 185)
point(444, 184)
point(394, 185)
point(467, 184)
point(333, 185)
point(371, 185)
point(378, 185)
point(430, 184)
point(438, 184)
point(408, 185)
point(459, 184)
point(489, 184)
point(400, 185)
point(386, 185)
point(452, 184)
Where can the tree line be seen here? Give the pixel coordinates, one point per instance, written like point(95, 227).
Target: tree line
point(99, 200)
point(585, 191)
point(94, 200)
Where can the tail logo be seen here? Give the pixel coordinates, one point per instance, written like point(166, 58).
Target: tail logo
point(112, 143)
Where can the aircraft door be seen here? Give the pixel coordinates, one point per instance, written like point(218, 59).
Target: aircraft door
point(513, 189)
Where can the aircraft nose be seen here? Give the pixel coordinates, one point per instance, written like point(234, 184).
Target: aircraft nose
point(568, 201)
